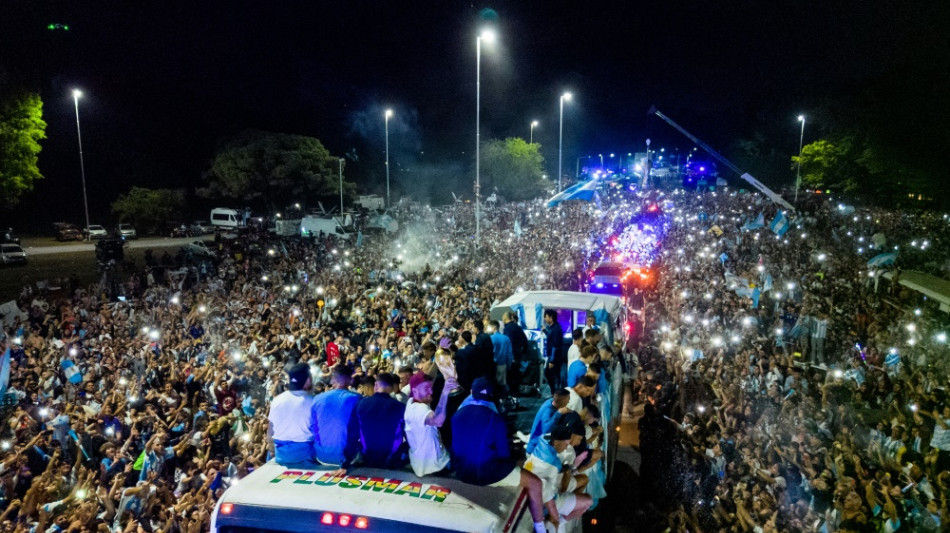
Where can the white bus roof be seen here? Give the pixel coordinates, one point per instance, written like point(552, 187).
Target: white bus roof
point(580, 301)
point(931, 286)
point(386, 495)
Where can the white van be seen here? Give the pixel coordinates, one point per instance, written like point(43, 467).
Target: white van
point(276, 499)
point(222, 217)
point(311, 226)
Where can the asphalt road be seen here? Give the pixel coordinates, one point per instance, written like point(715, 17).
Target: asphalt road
point(40, 246)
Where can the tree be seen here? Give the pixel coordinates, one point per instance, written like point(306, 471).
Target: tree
point(21, 130)
point(827, 164)
point(514, 167)
point(273, 170)
point(148, 209)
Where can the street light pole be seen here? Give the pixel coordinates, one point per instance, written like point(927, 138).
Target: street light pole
point(560, 141)
point(534, 124)
point(82, 166)
point(798, 171)
point(489, 36)
point(389, 113)
point(577, 171)
point(341, 187)
point(646, 168)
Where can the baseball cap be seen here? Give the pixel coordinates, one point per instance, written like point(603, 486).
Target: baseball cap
point(482, 389)
point(298, 375)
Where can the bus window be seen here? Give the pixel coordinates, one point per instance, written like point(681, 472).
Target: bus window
point(565, 318)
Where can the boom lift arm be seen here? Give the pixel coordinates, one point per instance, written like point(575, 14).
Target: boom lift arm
point(744, 175)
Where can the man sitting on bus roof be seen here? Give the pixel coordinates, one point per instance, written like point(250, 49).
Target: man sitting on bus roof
point(581, 393)
point(560, 491)
point(380, 418)
point(288, 420)
point(336, 434)
point(427, 454)
point(546, 417)
point(480, 453)
point(578, 369)
point(574, 352)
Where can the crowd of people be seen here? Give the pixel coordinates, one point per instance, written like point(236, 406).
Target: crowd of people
point(805, 391)
point(134, 403)
point(784, 385)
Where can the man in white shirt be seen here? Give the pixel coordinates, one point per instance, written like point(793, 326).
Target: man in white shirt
point(941, 437)
point(574, 352)
point(558, 484)
point(584, 389)
point(289, 419)
point(427, 454)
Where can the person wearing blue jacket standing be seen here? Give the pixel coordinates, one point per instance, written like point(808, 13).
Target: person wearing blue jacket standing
point(555, 369)
point(504, 356)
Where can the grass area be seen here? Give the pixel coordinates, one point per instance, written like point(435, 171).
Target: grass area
point(58, 265)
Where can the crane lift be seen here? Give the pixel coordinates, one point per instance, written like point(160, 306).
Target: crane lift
point(775, 197)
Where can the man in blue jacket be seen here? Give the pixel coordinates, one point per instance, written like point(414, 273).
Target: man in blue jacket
point(333, 421)
point(380, 419)
point(480, 453)
point(547, 416)
point(555, 369)
point(504, 356)
point(484, 351)
point(519, 348)
point(519, 341)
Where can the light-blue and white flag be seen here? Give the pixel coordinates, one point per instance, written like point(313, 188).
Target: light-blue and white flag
point(882, 260)
point(71, 371)
point(5, 372)
point(780, 224)
point(584, 190)
point(767, 284)
point(758, 223)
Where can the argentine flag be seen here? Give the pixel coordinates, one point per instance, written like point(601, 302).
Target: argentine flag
point(758, 223)
point(882, 260)
point(779, 224)
point(585, 190)
point(72, 372)
point(892, 363)
point(5, 372)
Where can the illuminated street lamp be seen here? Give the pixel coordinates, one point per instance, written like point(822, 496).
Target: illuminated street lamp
point(798, 171)
point(560, 141)
point(489, 37)
point(389, 113)
point(82, 166)
point(534, 124)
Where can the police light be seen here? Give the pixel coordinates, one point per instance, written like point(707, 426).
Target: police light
point(226, 508)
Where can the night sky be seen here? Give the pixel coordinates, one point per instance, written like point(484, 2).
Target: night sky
point(164, 82)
